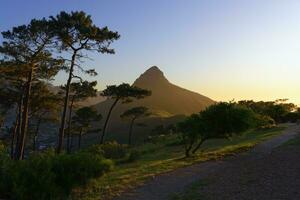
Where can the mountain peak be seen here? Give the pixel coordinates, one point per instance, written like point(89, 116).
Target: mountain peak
point(153, 75)
point(153, 69)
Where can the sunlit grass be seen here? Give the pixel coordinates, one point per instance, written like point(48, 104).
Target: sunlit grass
point(164, 157)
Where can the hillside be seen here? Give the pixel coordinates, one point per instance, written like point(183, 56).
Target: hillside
point(167, 101)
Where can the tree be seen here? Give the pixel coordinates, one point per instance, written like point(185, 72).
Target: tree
point(78, 91)
point(83, 118)
point(76, 33)
point(44, 107)
point(133, 114)
point(124, 93)
point(222, 120)
point(26, 50)
point(277, 109)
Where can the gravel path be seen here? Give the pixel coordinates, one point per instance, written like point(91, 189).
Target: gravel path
point(259, 174)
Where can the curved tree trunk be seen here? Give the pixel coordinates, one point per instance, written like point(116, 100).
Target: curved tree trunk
point(107, 119)
point(188, 148)
point(198, 146)
point(24, 125)
point(66, 102)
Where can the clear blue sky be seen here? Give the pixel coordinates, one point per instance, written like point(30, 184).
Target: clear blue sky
point(225, 49)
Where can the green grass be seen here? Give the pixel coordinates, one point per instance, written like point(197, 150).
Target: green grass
point(163, 157)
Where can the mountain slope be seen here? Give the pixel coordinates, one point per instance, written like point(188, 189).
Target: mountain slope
point(169, 97)
point(167, 100)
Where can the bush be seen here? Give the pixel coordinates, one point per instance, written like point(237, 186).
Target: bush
point(134, 155)
point(5, 165)
point(264, 121)
point(114, 150)
point(48, 176)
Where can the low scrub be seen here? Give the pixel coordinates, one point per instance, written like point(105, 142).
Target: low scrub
point(49, 176)
point(110, 150)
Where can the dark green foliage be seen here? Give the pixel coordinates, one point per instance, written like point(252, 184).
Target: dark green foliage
point(26, 57)
point(48, 176)
point(5, 165)
point(125, 92)
point(263, 121)
point(110, 150)
point(274, 109)
point(113, 150)
point(292, 117)
point(134, 155)
point(221, 120)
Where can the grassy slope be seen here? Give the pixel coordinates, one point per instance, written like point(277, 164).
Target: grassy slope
point(163, 157)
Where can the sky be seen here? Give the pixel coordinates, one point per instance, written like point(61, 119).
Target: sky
point(224, 49)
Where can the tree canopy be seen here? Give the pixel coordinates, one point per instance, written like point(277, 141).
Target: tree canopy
point(221, 120)
point(124, 93)
point(133, 114)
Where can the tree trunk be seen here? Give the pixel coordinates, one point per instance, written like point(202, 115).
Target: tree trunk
point(1, 122)
point(18, 128)
point(69, 124)
point(36, 134)
point(130, 131)
point(79, 138)
point(198, 146)
point(13, 136)
point(107, 119)
point(188, 148)
point(66, 102)
point(71, 143)
point(24, 125)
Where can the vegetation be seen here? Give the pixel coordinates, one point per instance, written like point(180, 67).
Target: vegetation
point(221, 120)
point(27, 58)
point(79, 91)
point(33, 54)
point(76, 33)
point(164, 156)
point(124, 93)
point(133, 114)
point(83, 118)
point(277, 110)
point(48, 176)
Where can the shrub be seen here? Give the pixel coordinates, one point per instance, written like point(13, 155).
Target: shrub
point(114, 150)
point(48, 176)
point(5, 179)
point(263, 121)
point(134, 155)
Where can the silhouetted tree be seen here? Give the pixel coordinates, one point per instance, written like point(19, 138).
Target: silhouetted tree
point(133, 114)
point(44, 107)
point(79, 91)
point(26, 50)
point(124, 93)
point(277, 109)
point(83, 118)
point(221, 120)
point(76, 33)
